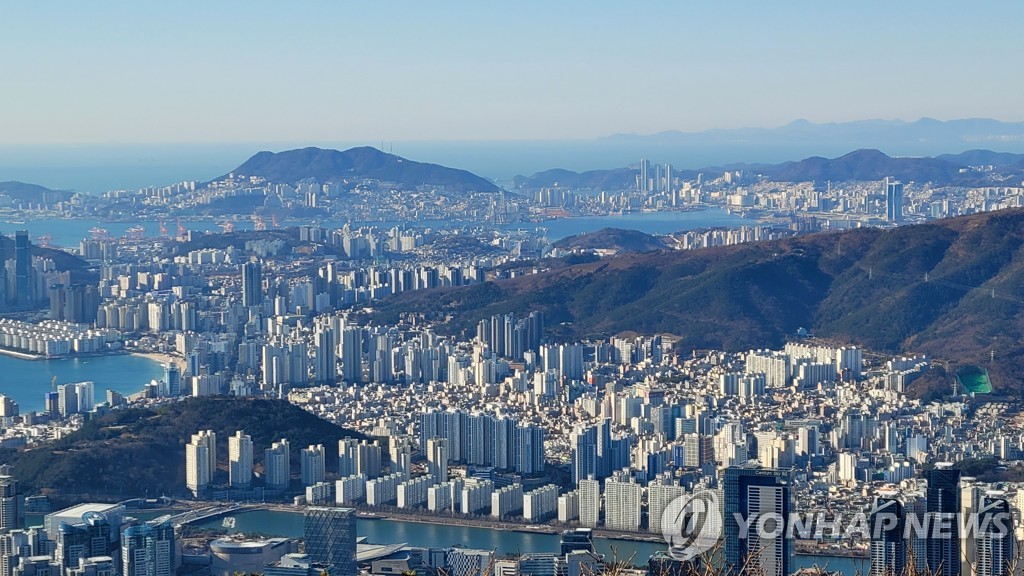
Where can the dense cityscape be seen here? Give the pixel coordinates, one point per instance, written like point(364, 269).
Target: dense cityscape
point(511, 289)
point(498, 426)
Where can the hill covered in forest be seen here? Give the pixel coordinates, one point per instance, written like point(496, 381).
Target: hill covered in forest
point(140, 452)
point(952, 289)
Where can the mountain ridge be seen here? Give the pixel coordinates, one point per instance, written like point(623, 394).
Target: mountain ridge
point(860, 164)
point(947, 288)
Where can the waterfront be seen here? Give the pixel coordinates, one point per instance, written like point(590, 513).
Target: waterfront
point(69, 232)
point(505, 542)
point(27, 381)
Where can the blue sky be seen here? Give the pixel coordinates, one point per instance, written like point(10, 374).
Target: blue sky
point(83, 72)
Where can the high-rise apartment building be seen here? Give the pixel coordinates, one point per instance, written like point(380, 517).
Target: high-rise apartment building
point(312, 464)
point(201, 461)
point(888, 541)
point(240, 460)
point(277, 471)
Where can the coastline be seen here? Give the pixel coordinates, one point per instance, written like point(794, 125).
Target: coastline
point(161, 358)
point(21, 355)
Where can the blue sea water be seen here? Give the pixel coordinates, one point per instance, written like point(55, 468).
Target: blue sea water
point(28, 381)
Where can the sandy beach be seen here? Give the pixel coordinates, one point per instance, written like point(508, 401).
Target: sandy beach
point(162, 358)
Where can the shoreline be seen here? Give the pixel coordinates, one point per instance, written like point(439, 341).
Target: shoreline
point(161, 358)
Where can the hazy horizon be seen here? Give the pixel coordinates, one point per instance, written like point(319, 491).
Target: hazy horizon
point(197, 72)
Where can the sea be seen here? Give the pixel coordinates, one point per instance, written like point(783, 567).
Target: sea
point(28, 381)
point(97, 168)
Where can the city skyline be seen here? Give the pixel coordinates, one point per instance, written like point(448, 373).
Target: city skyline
point(326, 72)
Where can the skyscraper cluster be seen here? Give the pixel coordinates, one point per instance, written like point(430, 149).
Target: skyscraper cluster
point(485, 440)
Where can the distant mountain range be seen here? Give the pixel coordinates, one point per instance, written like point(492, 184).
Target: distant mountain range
point(354, 164)
point(951, 289)
point(948, 134)
point(862, 164)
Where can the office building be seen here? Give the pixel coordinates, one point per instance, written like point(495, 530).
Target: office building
point(749, 493)
point(149, 549)
point(240, 460)
point(172, 379)
point(888, 544)
point(893, 200)
point(312, 465)
point(277, 466)
point(943, 501)
point(576, 540)
point(22, 270)
point(330, 535)
point(252, 284)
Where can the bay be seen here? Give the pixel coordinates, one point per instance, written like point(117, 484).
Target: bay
point(68, 233)
point(28, 381)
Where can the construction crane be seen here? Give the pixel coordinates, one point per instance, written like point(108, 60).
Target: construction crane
point(182, 231)
point(227, 226)
point(258, 223)
point(273, 220)
point(163, 229)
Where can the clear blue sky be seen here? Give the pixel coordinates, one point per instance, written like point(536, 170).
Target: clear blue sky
point(233, 71)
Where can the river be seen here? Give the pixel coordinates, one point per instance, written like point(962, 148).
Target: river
point(505, 542)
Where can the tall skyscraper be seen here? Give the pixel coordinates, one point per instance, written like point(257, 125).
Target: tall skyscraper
point(148, 548)
point(200, 461)
point(4, 300)
point(995, 541)
point(240, 460)
point(330, 535)
point(326, 367)
point(172, 379)
point(888, 544)
point(590, 502)
point(437, 459)
point(22, 269)
point(11, 513)
point(277, 471)
point(893, 200)
point(749, 493)
point(312, 465)
point(943, 502)
point(252, 284)
point(352, 354)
